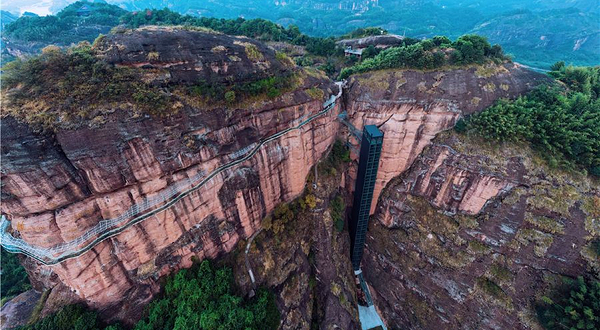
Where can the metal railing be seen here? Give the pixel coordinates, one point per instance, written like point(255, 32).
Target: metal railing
point(138, 212)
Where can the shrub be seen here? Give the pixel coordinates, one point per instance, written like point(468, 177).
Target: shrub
point(14, 278)
point(574, 305)
point(337, 209)
point(253, 53)
point(230, 97)
point(311, 201)
point(203, 297)
point(561, 123)
point(338, 156)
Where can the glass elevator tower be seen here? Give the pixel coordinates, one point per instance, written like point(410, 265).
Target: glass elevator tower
point(370, 150)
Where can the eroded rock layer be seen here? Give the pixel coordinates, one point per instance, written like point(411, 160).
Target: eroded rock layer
point(471, 235)
point(411, 107)
point(55, 187)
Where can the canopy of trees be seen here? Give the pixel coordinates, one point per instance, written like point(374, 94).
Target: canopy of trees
point(364, 32)
point(67, 26)
point(71, 317)
point(430, 54)
point(561, 122)
point(201, 297)
point(574, 306)
point(14, 277)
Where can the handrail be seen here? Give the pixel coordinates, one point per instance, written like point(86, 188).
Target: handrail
point(111, 227)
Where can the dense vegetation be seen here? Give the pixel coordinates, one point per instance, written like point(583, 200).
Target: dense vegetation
point(576, 305)
point(231, 94)
point(560, 121)
point(334, 163)
point(71, 317)
point(364, 32)
point(430, 54)
point(256, 28)
point(14, 277)
point(338, 209)
point(201, 297)
point(67, 26)
point(537, 32)
point(67, 85)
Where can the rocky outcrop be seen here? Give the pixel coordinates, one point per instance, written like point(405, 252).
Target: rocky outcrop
point(472, 234)
point(306, 263)
point(192, 56)
point(17, 311)
point(411, 107)
point(55, 187)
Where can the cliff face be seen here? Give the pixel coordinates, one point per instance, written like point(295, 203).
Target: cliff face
point(472, 234)
point(411, 107)
point(55, 187)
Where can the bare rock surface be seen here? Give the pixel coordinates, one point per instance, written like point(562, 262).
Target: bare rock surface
point(191, 56)
point(17, 311)
point(472, 234)
point(57, 186)
point(411, 107)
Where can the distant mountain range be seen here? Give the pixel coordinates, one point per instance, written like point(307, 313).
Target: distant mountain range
point(535, 32)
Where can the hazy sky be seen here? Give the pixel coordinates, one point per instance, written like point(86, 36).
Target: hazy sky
point(40, 7)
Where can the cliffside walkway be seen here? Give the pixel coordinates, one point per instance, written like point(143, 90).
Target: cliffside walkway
point(137, 212)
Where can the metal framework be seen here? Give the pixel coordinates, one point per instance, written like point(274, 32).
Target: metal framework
point(370, 151)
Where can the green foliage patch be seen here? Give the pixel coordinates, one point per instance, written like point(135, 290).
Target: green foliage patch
point(14, 278)
point(203, 297)
point(574, 305)
point(338, 156)
point(560, 122)
point(68, 318)
point(430, 54)
point(338, 207)
point(68, 26)
point(269, 88)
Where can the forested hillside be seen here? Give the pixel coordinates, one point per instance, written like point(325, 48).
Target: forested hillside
point(70, 25)
point(534, 33)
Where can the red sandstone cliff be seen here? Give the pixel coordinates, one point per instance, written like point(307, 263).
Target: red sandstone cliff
point(57, 186)
point(411, 107)
point(471, 234)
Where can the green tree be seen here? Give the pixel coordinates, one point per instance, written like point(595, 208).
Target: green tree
point(71, 317)
point(560, 122)
point(14, 277)
point(203, 297)
point(576, 305)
